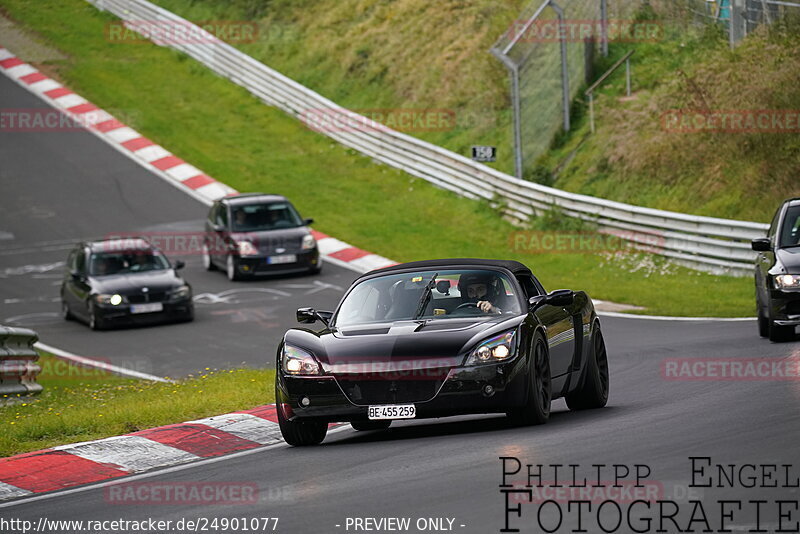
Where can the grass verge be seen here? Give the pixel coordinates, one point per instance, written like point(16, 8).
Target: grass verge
point(228, 133)
point(81, 404)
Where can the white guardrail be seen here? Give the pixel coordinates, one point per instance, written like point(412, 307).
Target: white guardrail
point(706, 243)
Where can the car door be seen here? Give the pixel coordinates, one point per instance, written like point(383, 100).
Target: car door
point(766, 259)
point(79, 285)
point(216, 228)
point(559, 327)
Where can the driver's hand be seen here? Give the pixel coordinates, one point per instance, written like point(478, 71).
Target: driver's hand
point(487, 307)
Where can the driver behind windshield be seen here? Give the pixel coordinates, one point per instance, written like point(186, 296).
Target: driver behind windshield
point(481, 289)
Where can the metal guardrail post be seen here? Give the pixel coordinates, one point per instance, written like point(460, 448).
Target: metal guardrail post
point(18, 367)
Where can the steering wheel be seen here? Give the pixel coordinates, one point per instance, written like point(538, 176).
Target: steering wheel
point(466, 305)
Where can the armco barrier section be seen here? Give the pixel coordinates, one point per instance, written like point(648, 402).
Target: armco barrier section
point(707, 243)
point(18, 367)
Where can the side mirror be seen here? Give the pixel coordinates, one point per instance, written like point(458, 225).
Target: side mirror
point(308, 222)
point(761, 245)
point(180, 264)
point(534, 303)
point(561, 297)
point(311, 316)
point(76, 276)
point(217, 227)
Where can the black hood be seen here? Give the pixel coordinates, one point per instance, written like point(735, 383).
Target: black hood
point(407, 344)
point(130, 283)
point(790, 259)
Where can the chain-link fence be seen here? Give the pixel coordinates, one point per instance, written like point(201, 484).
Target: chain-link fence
point(550, 47)
point(549, 51)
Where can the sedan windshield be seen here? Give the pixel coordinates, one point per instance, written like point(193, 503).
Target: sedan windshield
point(429, 295)
point(106, 263)
point(262, 217)
point(790, 233)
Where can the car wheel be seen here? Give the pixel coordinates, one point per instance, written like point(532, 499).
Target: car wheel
point(301, 433)
point(95, 322)
point(65, 312)
point(208, 265)
point(763, 323)
point(594, 392)
point(779, 333)
point(230, 269)
point(362, 426)
point(537, 408)
point(317, 268)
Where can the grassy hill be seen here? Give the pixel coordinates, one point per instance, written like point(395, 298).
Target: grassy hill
point(368, 54)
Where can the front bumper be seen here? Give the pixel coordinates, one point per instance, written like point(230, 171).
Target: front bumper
point(785, 307)
point(258, 265)
point(173, 310)
point(461, 392)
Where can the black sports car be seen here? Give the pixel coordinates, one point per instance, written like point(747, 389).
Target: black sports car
point(778, 274)
point(439, 338)
point(123, 281)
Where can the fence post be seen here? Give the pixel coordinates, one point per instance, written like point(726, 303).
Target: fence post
point(564, 66)
point(517, 121)
point(604, 26)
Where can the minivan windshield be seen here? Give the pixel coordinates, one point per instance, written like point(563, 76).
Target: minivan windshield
point(263, 217)
point(790, 231)
point(428, 295)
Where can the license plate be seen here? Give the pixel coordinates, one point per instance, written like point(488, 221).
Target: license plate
point(286, 258)
point(150, 307)
point(392, 411)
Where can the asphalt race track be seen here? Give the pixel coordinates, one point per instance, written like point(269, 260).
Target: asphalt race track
point(70, 185)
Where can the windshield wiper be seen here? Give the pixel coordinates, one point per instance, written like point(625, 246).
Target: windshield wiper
point(426, 295)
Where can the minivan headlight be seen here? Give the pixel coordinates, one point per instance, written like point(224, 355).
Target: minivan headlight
point(308, 242)
point(296, 361)
point(246, 248)
point(495, 349)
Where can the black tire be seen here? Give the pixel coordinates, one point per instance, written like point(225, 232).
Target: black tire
point(66, 314)
point(95, 322)
point(363, 426)
point(208, 263)
point(763, 324)
point(537, 407)
point(779, 333)
point(594, 391)
point(301, 433)
point(231, 269)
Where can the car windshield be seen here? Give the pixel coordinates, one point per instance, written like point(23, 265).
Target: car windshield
point(790, 232)
point(108, 263)
point(440, 294)
point(260, 217)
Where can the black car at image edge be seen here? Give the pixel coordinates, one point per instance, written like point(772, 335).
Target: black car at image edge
point(777, 274)
point(123, 281)
point(439, 338)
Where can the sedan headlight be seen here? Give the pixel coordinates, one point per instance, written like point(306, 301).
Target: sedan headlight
point(787, 281)
point(495, 349)
point(308, 242)
point(181, 292)
point(296, 361)
point(246, 248)
point(114, 300)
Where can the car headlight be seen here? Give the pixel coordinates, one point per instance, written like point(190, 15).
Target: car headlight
point(308, 242)
point(114, 300)
point(246, 248)
point(297, 361)
point(787, 281)
point(495, 349)
point(181, 292)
